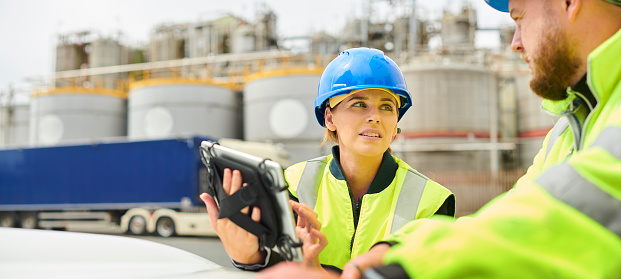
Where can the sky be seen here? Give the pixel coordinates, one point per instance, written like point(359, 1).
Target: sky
point(29, 28)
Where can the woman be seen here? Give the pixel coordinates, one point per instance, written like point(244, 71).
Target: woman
point(360, 194)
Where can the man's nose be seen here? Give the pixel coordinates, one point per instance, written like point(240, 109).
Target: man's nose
point(516, 43)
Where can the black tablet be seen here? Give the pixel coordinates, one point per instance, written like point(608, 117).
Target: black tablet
point(265, 187)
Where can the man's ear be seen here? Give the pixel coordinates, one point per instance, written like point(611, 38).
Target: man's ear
point(572, 7)
point(329, 119)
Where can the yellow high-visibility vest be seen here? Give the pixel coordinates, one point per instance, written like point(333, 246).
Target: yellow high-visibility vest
point(398, 194)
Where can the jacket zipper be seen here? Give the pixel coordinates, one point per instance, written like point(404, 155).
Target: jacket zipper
point(577, 128)
point(356, 211)
point(586, 121)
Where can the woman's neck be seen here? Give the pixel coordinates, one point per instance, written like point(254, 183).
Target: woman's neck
point(359, 171)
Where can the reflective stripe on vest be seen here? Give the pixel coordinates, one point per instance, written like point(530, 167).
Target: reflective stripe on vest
point(407, 202)
point(308, 187)
point(557, 130)
point(565, 184)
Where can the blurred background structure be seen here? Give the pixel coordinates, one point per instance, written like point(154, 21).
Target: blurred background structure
point(474, 127)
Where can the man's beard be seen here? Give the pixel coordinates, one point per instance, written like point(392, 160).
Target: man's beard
point(554, 66)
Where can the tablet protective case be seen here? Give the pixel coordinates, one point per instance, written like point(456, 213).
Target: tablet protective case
point(262, 190)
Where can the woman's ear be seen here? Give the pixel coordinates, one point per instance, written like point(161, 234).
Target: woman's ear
point(329, 119)
point(395, 133)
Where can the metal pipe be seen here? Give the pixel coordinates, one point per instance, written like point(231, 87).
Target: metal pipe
point(171, 63)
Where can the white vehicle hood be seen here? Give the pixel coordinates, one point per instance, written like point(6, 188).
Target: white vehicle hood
point(53, 254)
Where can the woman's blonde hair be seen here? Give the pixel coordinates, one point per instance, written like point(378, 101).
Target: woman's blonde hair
point(329, 136)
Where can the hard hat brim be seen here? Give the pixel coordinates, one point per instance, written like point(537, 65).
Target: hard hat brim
point(321, 104)
point(500, 5)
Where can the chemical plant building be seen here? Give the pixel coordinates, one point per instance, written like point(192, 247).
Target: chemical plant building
point(475, 126)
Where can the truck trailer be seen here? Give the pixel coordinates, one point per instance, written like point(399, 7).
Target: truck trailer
point(143, 187)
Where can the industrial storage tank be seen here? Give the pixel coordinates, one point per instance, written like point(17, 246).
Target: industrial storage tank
point(14, 121)
point(243, 39)
point(448, 100)
point(74, 113)
point(279, 107)
point(450, 105)
point(168, 42)
point(106, 52)
point(533, 122)
point(69, 57)
point(448, 132)
point(458, 29)
point(166, 107)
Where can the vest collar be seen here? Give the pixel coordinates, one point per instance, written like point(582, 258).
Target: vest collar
point(577, 94)
point(384, 177)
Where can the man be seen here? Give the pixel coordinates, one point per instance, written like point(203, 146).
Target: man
point(563, 218)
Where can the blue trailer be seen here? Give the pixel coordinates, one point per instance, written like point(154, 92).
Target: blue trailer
point(142, 186)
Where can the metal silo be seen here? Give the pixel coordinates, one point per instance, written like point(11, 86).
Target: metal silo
point(168, 42)
point(14, 120)
point(533, 122)
point(69, 57)
point(243, 39)
point(452, 105)
point(75, 113)
point(170, 107)
point(448, 99)
point(106, 52)
point(278, 107)
point(458, 29)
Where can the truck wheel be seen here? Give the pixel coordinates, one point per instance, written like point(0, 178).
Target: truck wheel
point(165, 227)
point(29, 220)
point(137, 225)
point(7, 220)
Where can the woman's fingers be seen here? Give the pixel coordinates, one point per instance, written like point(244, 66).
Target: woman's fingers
point(301, 221)
point(256, 214)
point(231, 183)
point(302, 206)
point(323, 240)
point(309, 216)
point(317, 237)
point(236, 181)
point(226, 181)
point(212, 210)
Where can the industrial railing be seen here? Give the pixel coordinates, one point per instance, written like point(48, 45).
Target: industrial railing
point(473, 189)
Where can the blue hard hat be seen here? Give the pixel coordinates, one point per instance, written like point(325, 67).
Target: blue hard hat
point(360, 68)
point(501, 5)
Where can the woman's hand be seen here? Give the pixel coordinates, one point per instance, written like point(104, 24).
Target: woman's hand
point(308, 230)
point(242, 246)
point(354, 268)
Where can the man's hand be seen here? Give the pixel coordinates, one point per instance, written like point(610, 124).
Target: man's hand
point(287, 270)
point(354, 268)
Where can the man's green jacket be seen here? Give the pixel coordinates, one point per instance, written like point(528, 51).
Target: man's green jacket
point(563, 217)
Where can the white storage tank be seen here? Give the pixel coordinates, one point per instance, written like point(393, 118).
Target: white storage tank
point(14, 122)
point(169, 107)
point(106, 52)
point(279, 107)
point(448, 100)
point(533, 122)
point(243, 39)
point(74, 113)
point(450, 105)
point(69, 57)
